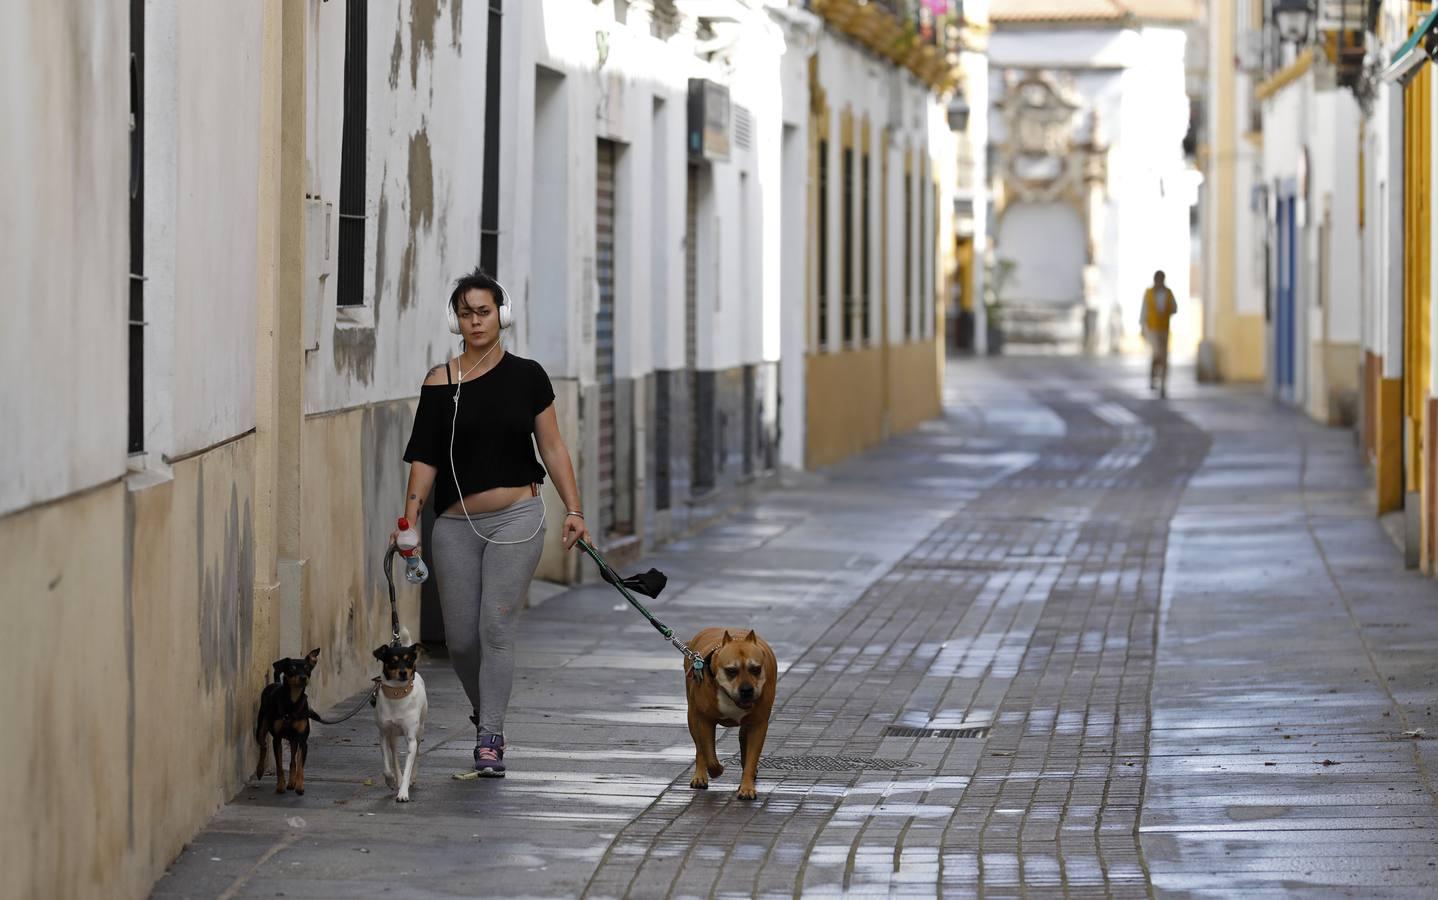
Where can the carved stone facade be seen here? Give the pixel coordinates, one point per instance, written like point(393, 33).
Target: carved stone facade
point(1053, 151)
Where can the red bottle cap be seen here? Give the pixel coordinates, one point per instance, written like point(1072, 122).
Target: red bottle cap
point(403, 524)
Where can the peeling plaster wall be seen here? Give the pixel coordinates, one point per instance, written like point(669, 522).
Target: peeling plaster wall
point(423, 190)
point(352, 476)
point(64, 259)
point(149, 593)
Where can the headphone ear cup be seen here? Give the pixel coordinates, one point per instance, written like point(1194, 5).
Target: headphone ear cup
point(451, 319)
point(506, 318)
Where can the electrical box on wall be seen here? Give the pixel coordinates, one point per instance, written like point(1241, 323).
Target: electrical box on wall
point(709, 115)
point(318, 214)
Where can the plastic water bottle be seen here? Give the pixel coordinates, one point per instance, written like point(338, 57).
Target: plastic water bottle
point(415, 571)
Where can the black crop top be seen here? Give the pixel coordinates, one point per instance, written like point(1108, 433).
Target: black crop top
point(493, 440)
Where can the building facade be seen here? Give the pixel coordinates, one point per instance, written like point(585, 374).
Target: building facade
point(1092, 191)
point(233, 240)
point(1330, 189)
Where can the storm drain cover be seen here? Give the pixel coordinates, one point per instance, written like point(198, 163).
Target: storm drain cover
point(825, 763)
point(981, 731)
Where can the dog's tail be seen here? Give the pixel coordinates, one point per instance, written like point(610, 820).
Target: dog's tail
point(404, 637)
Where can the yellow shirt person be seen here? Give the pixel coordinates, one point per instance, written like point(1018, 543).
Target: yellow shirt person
point(1158, 308)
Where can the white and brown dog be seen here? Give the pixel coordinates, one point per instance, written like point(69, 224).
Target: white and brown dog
point(400, 711)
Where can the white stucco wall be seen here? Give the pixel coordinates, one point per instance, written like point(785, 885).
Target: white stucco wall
point(1149, 185)
point(423, 190)
point(211, 302)
point(64, 259)
point(1046, 243)
point(739, 298)
point(1339, 178)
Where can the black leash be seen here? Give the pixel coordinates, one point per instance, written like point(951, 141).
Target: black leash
point(651, 583)
point(367, 699)
point(394, 642)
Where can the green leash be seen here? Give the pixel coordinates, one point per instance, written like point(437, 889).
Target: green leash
point(696, 662)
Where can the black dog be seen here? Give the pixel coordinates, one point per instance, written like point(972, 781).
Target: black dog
point(285, 716)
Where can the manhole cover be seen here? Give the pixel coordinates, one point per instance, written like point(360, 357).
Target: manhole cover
point(825, 763)
point(981, 731)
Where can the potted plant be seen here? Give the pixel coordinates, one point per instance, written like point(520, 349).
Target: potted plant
point(997, 275)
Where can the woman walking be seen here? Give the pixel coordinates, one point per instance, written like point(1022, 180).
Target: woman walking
point(479, 419)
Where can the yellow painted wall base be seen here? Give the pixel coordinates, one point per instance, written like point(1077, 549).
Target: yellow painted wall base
point(847, 407)
point(1336, 397)
point(1388, 455)
point(1240, 348)
point(1427, 552)
point(141, 609)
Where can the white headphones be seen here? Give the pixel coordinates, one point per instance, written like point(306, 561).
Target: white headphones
point(506, 313)
point(506, 319)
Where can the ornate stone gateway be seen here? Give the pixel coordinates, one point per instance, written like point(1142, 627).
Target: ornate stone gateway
point(1051, 187)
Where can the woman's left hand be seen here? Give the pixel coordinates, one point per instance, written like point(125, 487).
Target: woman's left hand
point(575, 530)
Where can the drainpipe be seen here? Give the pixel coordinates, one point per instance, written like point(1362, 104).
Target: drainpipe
point(279, 369)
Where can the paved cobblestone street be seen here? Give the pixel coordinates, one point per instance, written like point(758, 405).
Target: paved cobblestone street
point(1068, 640)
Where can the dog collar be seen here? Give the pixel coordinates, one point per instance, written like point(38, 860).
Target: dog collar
point(395, 693)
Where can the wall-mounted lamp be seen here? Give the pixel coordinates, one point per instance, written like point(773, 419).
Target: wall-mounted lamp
point(958, 113)
point(1293, 19)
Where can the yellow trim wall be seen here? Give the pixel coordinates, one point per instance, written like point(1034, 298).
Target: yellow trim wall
point(1417, 147)
point(141, 616)
point(158, 625)
point(1237, 339)
point(848, 408)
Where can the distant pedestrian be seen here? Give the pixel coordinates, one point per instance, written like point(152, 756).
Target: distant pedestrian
point(1158, 307)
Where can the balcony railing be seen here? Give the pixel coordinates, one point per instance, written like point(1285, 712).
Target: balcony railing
point(921, 35)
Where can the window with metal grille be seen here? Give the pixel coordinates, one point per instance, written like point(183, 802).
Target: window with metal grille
point(137, 228)
point(823, 238)
point(865, 326)
point(489, 202)
point(932, 301)
point(908, 256)
point(847, 217)
point(349, 288)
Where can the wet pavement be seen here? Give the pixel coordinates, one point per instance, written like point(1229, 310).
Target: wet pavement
point(1067, 640)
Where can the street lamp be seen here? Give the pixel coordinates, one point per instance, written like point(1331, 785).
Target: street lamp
point(1293, 18)
point(958, 113)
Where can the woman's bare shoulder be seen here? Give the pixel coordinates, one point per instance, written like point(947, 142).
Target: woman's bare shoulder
point(438, 375)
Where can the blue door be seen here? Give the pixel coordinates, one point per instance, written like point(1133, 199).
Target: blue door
point(1285, 314)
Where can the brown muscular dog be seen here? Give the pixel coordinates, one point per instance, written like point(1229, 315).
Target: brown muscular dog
point(737, 690)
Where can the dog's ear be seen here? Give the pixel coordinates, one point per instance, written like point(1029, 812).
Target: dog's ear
point(379, 651)
point(751, 637)
point(278, 665)
point(728, 638)
point(415, 648)
point(311, 658)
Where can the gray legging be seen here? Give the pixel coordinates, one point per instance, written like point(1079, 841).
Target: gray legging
point(481, 586)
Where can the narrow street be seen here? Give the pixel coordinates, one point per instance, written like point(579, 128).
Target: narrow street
point(1066, 640)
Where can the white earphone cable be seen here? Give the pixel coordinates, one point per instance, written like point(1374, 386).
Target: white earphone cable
point(454, 473)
